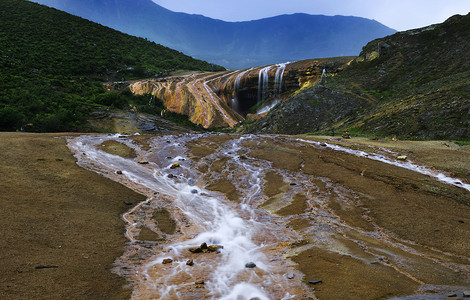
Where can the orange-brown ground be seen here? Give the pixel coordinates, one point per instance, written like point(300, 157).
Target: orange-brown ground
point(54, 213)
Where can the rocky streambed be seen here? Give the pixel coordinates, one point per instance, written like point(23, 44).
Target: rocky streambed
point(275, 217)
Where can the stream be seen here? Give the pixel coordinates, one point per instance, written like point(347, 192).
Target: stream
point(224, 249)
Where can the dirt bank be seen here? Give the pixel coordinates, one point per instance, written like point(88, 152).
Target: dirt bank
point(60, 224)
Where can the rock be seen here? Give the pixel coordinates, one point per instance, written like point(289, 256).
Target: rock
point(466, 294)
point(453, 295)
point(119, 172)
point(402, 157)
point(175, 165)
point(195, 250)
point(194, 191)
point(290, 276)
point(190, 262)
point(250, 265)
point(199, 282)
point(46, 267)
point(167, 261)
point(127, 203)
point(315, 281)
point(214, 248)
point(171, 176)
point(203, 246)
point(143, 162)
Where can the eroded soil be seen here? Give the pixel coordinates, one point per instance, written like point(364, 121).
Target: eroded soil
point(60, 224)
point(367, 230)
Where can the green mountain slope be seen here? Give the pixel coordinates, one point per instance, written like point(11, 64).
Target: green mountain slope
point(52, 65)
point(413, 84)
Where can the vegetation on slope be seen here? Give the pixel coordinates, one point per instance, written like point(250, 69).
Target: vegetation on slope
point(417, 83)
point(413, 84)
point(52, 66)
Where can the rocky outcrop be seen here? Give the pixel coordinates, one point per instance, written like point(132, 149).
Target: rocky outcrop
point(312, 110)
point(225, 98)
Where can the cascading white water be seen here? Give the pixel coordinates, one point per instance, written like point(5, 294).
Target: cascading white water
point(263, 82)
point(278, 78)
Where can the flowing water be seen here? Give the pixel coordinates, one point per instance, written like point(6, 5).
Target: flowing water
point(247, 233)
point(251, 245)
point(263, 83)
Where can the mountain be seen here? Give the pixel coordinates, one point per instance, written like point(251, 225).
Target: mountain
point(413, 84)
point(53, 65)
point(232, 44)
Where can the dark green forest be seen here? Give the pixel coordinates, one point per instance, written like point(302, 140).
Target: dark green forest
point(52, 66)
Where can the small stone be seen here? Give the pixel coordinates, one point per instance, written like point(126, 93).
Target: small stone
point(171, 176)
point(119, 172)
point(250, 265)
point(194, 191)
point(290, 276)
point(452, 296)
point(323, 145)
point(466, 294)
point(195, 250)
point(402, 157)
point(46, 267)
point(175, 165)
point(127, 203)
point(315, 281)
point(293, 183)
point(167, 261)
point(199, 282)
point(143, 162)
point(214, 248)
point(190, 262)
point(461, 221)
point(203, 246)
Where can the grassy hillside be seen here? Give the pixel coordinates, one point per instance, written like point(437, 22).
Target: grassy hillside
point(52, 65)
point(413, 84)
point(418, 82)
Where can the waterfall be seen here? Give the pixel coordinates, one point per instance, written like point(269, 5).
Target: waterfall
point(263, 81)
point(278, 78)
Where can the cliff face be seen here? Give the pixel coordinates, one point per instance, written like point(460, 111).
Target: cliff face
point(226, 98)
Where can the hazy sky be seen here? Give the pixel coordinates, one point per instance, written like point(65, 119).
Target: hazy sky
point(397, 14)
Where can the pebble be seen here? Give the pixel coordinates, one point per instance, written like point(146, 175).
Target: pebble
point(143, 162)
point(195, 250)
point(403, 157)
point(171, 176)
point(203, 246)
point(290, 276)
point(119, 172)
point(214, 248)
point(175, 165)
point(250, 265)
point(315, 281)
point(127, 203)
point(466, 294)
point(194, 192)
point(167, 261)
point(46, 267)
point(190, 262)
point(199, 282)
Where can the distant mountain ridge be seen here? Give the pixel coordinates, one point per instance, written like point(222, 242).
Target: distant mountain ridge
point(232, 44)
